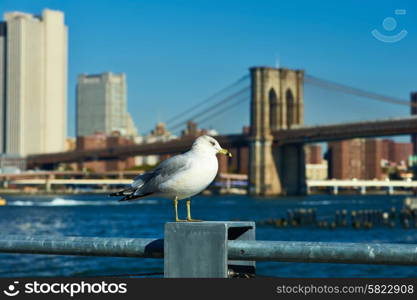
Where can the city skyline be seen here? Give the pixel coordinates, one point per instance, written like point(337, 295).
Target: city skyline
point(166, 50)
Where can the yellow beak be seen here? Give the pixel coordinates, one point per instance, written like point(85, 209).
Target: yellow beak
point(225, 152)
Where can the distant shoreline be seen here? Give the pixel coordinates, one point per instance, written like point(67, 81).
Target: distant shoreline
point(205, 193)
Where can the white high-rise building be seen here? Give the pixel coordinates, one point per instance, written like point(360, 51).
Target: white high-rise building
point(102, 105)
point(33, 74)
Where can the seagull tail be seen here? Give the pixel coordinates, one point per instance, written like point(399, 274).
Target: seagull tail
point(132, 196)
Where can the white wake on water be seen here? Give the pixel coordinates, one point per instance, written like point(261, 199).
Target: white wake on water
point(73, 202)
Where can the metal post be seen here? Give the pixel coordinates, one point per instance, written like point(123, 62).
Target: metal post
point(47, 185)
point(390, 190)
point(335, 190)
point(363, 190)
point(200, 249)
point(228, 184)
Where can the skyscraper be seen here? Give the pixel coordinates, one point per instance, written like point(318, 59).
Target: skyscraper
point(33, 73)
point(102, 105)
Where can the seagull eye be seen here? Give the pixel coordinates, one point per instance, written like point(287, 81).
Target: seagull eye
point(212, 143)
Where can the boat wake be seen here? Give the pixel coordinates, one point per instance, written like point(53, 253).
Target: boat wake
point(73, 202)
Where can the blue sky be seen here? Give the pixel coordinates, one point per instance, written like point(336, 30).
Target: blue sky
point(176, 53)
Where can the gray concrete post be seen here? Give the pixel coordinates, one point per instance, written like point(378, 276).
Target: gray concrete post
point(199, 249)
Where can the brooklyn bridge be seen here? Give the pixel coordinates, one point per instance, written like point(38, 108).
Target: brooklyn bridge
point(276, 136)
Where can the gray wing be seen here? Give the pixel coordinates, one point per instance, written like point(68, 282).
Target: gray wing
point(148, 183)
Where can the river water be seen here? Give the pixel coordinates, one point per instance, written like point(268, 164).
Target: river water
point(101, 216)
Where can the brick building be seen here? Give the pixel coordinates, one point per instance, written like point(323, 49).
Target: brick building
point(313, 154)
point(100, 141)
point(373, 158)
point(396, 153)
point(363, 158)
point(401, 152)
point(346, 159)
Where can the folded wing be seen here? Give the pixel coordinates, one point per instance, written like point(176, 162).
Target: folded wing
point(148, 183)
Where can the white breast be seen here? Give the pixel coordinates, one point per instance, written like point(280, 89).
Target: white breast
point(186, 184)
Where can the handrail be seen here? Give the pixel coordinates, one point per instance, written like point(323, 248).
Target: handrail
point(89, 246)
point(324, 252)
point(317, 252)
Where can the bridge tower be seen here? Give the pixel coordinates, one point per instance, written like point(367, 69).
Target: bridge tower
point(276, 104)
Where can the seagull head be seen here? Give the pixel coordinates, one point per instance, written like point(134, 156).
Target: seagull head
point(208, 144)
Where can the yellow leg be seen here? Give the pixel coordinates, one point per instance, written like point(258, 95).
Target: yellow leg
point(176, 210)
point(189, 219)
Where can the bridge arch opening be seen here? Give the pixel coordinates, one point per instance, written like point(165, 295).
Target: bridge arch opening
point(273, 110)
point(291, 109)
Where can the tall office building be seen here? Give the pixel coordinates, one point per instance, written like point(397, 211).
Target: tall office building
point(33, 75)
point(102, 105)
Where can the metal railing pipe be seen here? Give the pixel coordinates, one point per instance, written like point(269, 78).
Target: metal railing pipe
point(323, 252)
point(284, 251)
point(89, 246)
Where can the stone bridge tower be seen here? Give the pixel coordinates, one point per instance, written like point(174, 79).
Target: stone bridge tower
point(276, 104)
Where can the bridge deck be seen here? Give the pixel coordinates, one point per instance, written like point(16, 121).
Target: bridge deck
point(305, 134)
point(342, 131)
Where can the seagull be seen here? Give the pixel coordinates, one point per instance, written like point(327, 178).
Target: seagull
point(179, 177)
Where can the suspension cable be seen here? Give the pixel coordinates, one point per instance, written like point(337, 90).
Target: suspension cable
point(223, 110)
point(207, 100)
point(355, 91)
point(214, 106)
